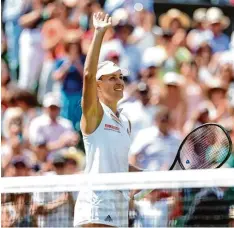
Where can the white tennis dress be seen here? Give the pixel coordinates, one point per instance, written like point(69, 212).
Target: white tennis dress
point(106, 152)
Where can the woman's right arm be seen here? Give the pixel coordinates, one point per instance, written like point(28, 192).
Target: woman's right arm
point(92, 110)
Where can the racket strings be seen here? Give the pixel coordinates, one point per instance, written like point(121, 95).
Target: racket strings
point(206, 147)
point(206, 155)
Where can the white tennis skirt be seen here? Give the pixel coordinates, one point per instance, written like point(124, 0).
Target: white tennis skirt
point(101, 207)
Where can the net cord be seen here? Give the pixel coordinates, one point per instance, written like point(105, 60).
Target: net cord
point(120, 181)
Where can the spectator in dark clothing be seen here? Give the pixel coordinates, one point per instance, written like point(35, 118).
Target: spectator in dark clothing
point(209, 209)
point(69, 72)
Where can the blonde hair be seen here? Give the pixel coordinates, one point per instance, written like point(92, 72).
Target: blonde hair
point(11, 113)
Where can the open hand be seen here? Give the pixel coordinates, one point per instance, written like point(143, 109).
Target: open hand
point(101, 21)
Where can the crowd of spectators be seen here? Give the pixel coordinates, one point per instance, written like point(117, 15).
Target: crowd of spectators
point(179, 75)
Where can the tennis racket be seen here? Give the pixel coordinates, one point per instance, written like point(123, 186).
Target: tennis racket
point(206, 147)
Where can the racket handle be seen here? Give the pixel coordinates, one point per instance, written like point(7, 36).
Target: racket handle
point(140, 195)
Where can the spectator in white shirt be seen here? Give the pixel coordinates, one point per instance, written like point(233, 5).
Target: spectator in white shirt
point(155, 148)
point(145, 33)
point(140, 111)
point(200, 32)
point(218, 22)
point(50, 132)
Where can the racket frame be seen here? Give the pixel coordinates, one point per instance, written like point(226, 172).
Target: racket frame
point(177, 158)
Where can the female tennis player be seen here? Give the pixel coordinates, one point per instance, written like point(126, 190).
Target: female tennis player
point(106, 136)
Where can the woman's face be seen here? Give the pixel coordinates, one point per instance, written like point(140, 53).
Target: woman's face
point(226, 73)
point(217, 96)
point(70, 166)
point(111, 86)
point(74, 50)
point(185, 69)
point(205, 53)
point(173, 90)
point(16, 126)
point(175, 25)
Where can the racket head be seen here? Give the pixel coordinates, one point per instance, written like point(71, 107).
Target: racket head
point(206, 147)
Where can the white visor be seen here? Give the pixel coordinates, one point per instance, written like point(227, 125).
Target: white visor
point(107, 67)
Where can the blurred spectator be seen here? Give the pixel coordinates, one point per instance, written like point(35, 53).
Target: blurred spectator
point(14, 143)
point(53, 205)
point(150, 70)
point(203, 58)
point(57, 162)
point(198, 117)
point(17, 211)
point(69, 72)
point(111, 6)
point(50, 132)
point(22, 166)
point(82, 13)
point(200, 33)
point(74, 161)
point(226, 74)
point(161, 49)
point(31, 53)
point(217, 95)
point(12, 11)
point(129, 53)
point(24, 99)
point(227, 57)
point(141, 112)
point(52, 31)
point(156, 209)
point(192, 88)
point(210, 208)
point(218, 22)
point(6, 86)
point(145, 32)
point(3, 47)
point(154, 148)
point(171, 50)
point(174, 20)
point(174, 99)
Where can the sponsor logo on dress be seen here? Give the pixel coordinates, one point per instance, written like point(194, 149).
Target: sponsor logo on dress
point(108, 219)
point(111, 128)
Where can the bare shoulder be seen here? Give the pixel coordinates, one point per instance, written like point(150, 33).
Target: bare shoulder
point(91, 120)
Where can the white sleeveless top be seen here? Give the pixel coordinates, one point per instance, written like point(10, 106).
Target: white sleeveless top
point(108, 146)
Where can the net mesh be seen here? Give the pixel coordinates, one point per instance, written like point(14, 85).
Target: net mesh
point(179, 199)
point(207, 147)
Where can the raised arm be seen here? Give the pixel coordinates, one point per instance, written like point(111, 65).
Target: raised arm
point(92, 110)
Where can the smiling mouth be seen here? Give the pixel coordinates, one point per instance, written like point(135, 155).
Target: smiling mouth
point(119, 89)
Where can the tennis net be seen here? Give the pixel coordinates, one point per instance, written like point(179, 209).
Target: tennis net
point(179, 199)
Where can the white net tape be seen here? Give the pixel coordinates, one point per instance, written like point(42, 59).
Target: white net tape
point(120, 181)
